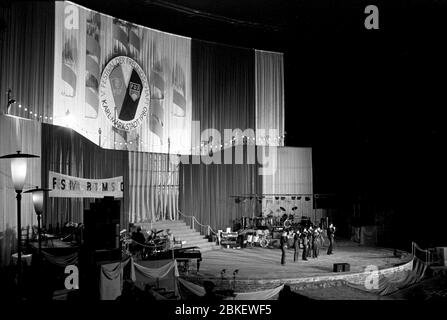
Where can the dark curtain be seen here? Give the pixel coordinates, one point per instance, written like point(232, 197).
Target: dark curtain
point(27, 58)
point(67, 152)
point(209, 192)
point(223, 97)
point(223, 86)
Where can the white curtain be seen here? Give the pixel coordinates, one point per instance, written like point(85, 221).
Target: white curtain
point(24, 135)
point(153, 187)
point(269, 96)
point(291, 185)
point(293, 172)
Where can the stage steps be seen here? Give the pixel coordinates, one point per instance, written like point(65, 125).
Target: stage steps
point(181, 232)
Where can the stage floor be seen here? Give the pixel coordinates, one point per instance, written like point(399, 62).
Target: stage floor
point(258, 263)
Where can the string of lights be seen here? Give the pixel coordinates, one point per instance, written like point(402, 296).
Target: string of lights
point(135, 144)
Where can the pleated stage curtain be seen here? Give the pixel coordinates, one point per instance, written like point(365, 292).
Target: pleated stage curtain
point(153, 187)
point(67, 152)
point(209, 192)
point(293, 176)
point(27, 58)
point(269, 96)
point(223, 89)
point(17, 134)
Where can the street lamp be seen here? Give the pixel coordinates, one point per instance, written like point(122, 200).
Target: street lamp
point(38, 194)
point(18, 175)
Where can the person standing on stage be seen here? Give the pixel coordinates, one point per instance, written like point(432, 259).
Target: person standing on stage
point(331, 236)
point(316, 243)
point(310, 237)
point(283, 243)
point(305, 239)
point(139, 240)
point(296, 245)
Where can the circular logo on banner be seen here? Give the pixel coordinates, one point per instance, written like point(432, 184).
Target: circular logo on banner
point(124, 93)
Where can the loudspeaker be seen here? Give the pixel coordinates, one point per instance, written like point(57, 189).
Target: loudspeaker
point(341, 267)
point(102, 225)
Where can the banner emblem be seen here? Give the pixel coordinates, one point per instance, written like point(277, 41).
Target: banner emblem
point(124, 93)
point(134, 91)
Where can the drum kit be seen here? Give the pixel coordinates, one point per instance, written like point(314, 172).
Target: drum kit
point(259, 238)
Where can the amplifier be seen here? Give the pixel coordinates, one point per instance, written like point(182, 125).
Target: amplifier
point(341, 267)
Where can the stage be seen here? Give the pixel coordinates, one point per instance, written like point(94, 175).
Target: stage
point(260, 268)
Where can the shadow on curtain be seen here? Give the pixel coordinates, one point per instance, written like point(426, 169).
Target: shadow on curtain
point(67, 152)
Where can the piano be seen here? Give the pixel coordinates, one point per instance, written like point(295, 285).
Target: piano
point(183, 255)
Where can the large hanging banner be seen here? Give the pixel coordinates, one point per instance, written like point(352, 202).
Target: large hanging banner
point(63, 186)
point(121, 85)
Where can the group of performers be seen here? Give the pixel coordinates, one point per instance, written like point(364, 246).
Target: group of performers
point(156, 240)
point(311, 239)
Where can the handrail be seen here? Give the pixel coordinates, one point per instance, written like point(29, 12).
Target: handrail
point(427, 252)
point(195, 219)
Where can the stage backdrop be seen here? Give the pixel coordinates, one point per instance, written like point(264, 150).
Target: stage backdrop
point(269, 72)
point(209, 191)
point(17, 134)
point(141, 101)
point(293, 178)
point(27, 58)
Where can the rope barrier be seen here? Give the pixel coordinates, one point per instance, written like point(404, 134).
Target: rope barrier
point(149, 245)
point(195, 219)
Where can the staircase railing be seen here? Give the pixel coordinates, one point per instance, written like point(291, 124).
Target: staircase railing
point(417, 251)
point(193, 222)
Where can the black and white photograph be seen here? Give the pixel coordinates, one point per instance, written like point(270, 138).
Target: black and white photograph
point(241, 154)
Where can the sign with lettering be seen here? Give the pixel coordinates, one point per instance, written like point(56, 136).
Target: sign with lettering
point(64, 186)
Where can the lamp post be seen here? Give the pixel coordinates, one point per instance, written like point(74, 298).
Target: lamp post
point(38, 194)
point(18, 175)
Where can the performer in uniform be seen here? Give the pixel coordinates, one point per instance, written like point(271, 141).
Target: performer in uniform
point(283, 243)
point(331, 236)
point(310, 237)
point(316, 243)
point(296, 245)
point(305, 239)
